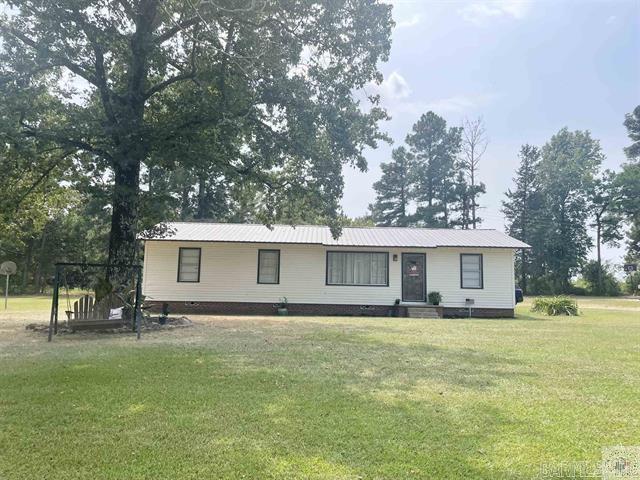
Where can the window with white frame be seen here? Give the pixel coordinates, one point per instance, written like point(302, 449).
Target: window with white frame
point(471, 270)
point(358, 268)
point(189, 265)
point(268, 266)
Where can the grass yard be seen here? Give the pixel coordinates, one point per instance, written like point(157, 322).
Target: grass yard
point(320, 398)
point(36, 304)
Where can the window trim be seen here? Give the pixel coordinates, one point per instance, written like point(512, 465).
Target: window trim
point(326, 270)
point(481, 287)
point(180, 249)
point(277, 282)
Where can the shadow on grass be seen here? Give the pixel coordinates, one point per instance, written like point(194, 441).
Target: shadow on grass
point(389, 364)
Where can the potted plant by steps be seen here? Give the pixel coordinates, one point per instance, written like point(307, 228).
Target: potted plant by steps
point(283, 306)
point(434, 298)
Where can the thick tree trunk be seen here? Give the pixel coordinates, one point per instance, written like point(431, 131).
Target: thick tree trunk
point(132, 148)
point(38, 273)
point(27, 265)
point(124, 219)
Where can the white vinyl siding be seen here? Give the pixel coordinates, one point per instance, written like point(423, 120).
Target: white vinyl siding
point(228, 274)
point(268, 266)
point(357, 268)
point(470, 270)
point(189, 265)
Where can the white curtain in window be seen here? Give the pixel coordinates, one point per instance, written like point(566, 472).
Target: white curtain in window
point(268, 266)
point(357, 268)
point(189, 264)
point(471, 271)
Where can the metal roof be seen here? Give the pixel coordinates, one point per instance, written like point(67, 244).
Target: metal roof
point(351, 236)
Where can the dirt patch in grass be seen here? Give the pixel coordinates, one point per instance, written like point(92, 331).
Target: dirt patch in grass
point(147, 326)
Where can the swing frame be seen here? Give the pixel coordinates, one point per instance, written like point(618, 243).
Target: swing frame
point(59, 269)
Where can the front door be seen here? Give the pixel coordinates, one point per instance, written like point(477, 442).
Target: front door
point(413, 277)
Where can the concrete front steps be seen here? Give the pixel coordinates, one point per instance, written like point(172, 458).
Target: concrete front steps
point(424, 312)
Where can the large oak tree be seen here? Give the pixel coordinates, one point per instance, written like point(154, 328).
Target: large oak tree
point(262, 89)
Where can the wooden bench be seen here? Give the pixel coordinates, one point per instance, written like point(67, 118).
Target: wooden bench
point(88, 314)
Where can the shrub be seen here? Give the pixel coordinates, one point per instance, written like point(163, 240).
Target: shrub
point(632, 283)
point(560, 305)
point(590, 277)
point(542, 285)
point(434, 298)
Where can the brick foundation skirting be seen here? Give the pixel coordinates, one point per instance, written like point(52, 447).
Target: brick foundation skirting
point(250, 308)
point(462, 312)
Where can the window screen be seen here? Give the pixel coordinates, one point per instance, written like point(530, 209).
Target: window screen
point(471, 270)
point(269, 266)
point(357, 268)
point(189, 265)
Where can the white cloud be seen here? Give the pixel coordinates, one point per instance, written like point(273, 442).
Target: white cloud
point(460, 103)
point(612, 19)
point(479, 12)
point(412, 21)
point(457, 104)
point(394, 87)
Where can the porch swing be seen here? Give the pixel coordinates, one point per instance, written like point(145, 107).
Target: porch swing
point(96, 312)
point(87, 313)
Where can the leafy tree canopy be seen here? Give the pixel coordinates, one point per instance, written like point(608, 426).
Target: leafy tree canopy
point(632, 122)
point(569, 163)
point(261, 90)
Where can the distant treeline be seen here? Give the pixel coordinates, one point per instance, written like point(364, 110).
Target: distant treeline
point(560, 193)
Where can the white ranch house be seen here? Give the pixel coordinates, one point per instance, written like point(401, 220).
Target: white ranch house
point(245, 269)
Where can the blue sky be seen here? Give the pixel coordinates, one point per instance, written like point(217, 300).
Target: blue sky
point(528, 67)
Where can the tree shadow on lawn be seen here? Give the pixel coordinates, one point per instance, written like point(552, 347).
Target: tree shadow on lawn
point(180, 413)
point(367, 359)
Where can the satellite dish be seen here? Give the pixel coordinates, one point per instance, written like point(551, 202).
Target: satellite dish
point(8, 268)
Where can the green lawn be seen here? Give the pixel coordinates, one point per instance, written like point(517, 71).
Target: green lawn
point(320, 398)
point(36, 303)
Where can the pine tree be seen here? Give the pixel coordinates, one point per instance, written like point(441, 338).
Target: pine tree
point(435, 149)
point(604, 205)
point(522, 209)
point(462, 205)
point(393, 190)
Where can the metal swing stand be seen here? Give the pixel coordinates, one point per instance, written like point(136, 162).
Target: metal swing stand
point(59, 268)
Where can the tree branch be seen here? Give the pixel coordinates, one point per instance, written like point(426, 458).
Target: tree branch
point(169, 81)
point(101, 75)
point(63, 140)
point(41, 178)
point(163, 37)
point(56, 59)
